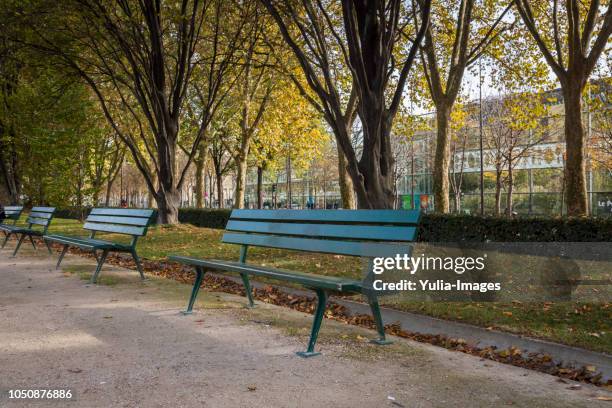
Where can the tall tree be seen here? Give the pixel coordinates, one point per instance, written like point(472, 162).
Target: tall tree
point(446, 54)
point(142, 56)
point(256, 89)
point(571, 38)
point(362, 37)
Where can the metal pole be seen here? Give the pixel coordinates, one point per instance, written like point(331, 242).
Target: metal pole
point(480, 128)
point(412, 172)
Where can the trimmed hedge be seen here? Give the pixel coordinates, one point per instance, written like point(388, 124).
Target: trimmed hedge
point(72, 213)
point(443, 228)
point(453, 228)
point(205, 217)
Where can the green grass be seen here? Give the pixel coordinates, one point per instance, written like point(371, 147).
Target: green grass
point(582, 324)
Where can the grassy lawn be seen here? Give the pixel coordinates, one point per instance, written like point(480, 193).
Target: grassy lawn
point(582, 324)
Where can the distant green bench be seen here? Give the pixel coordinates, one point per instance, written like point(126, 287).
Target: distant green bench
point(12, 213)
point(362, 233)
point(38, 222)
point(124, 221)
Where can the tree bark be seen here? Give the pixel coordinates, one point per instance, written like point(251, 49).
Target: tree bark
point(575, 171)
point(241, 176)
point(347, 194)
point(199, 170)
point(219, 179)
point(168, 196)
point(442, 160)
point(498, 189)
point(509, 203)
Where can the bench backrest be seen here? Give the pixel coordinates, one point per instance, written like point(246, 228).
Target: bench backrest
point(364, 233)
point(126, 221)
point(13, 212)
point(41, 216)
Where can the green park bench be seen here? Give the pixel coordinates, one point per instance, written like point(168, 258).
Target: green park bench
point(38, 222)
point(124, 221)
point(361, 233)
point(12, 213)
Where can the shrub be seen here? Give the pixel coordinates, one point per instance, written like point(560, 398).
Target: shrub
point(452, 228)
point(205, 217)
point(441, 228)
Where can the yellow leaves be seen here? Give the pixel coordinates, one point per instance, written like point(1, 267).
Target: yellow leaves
point(290, 127)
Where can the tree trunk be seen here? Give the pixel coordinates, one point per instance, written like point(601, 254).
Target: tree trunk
point(259, 187)
point(373, 175)
point(109, 186)
point(575, 172)
point(168, 196)
point(167, 206)
point(498, 189)
point(9, 168)
point(219, 179)
point(241, 176)
point(442, 160)
point(347, 194)
point(510, 189)
point(199, 186)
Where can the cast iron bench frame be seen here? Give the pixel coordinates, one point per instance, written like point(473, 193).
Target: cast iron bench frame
point(362, 233)
point(126, 221)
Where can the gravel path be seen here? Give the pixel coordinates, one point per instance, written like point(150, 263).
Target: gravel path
point(124, 344)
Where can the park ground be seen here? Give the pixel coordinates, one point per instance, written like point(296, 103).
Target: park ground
point(124, 343)
point(585, 325)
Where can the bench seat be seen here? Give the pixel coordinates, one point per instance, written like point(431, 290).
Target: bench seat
point(10, 228)
point(88, 243)
point(305, 279)
point(15, 229)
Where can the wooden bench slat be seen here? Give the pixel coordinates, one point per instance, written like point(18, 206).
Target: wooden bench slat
point(105, 219)
point(365, 232)
point(42, 215)
point(86, 242)
point(319, 216)
point(38, 221)
point(123, 212)
point(364, 249)
point(43, 209)
point(114, 228)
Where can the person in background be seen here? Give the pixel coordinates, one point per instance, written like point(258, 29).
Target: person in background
point(2, 213)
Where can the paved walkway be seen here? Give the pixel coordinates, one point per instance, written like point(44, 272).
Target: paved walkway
point(124, 344)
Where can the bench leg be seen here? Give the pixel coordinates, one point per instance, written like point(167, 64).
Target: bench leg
point(94, 277)
point(380, 327)
point(196, 288)
point(6, 238)
point(19, 244)
point(59, 261)
point(138, 265)
point(316, 324)
point(248, 290)
point(32, 241)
